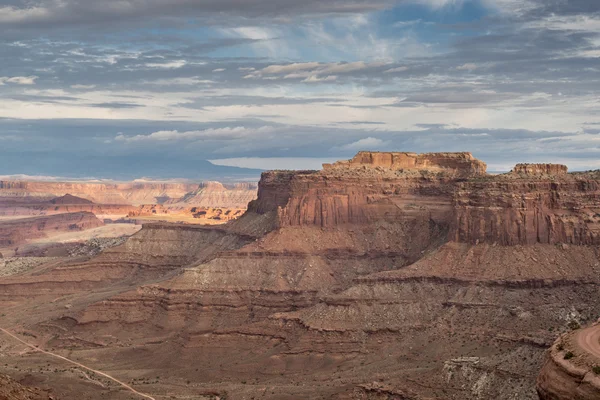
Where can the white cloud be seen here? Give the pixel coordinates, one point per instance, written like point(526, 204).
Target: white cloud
point(312, 71)
point(397, 69)
point(167, 65)
point(219, 70)
point(83, 86)
point(18, 80)
point(467, 67)
point(207, 134)
point(314, 78)
point(369, 143)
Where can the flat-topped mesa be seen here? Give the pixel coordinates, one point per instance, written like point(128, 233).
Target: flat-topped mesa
point(540, 169)
point(463, 164)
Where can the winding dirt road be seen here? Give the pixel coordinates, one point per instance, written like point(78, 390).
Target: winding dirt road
point(589, 340)
point(123, 384)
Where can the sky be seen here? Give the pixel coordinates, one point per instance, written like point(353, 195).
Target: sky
point(155, 88)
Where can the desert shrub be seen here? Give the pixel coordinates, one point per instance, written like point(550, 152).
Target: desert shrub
point(569, 355)
point(596, 369)
point(573, 325)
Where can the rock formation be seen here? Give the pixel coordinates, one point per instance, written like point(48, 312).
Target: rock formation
point(459, 163)
point(15, 232)
point(70, 199)
point(392, 275)
point(540, 169)
point(572, 367)
point(130, 193)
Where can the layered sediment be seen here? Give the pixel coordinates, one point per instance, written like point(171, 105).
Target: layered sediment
point(209, 194)
point(572, 367)
point(392, 275)
point(15, 232)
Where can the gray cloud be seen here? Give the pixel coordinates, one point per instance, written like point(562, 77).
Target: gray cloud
point(81, 12)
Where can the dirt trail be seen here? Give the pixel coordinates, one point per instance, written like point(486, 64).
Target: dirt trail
point(589, 340)
point(123, 384)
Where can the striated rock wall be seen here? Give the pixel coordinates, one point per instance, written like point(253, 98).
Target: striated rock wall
point(536, 203)
point(535, 209)
point(14, 232)
point(540, 169)
point(567, 371)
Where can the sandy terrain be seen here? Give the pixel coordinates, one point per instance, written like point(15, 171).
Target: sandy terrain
point(110, 230)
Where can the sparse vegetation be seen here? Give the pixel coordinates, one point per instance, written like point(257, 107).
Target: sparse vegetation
point(573, 325)
point(569, 355)
point(596, 369)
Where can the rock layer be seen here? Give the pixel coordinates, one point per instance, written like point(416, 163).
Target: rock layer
point(15, 232)
point(540, 169)
point(211, 194)
point(392, 275)
point(458, 163)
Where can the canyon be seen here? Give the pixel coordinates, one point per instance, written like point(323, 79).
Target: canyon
point(387, 276)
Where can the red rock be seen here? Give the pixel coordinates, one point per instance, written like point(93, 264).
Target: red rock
point(540, 169)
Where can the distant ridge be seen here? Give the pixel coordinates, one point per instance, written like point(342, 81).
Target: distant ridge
point(70, 199)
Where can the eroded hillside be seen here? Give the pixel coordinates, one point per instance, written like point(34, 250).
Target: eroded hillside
point(392, 275)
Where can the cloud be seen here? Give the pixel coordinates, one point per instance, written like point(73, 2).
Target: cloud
point(81, 12)
point(467, 67)
point(313, 71)
point(369, 143)
point(228, 133)
point(395, 70)
point(18, 80)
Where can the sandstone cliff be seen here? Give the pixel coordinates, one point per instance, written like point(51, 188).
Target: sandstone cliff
point(570, 371)
point(455, 163)
point(392, 275)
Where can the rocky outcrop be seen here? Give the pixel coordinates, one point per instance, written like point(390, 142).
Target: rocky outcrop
point(511, 210)
point(186, 213)
point(393, 275)
point(570, 372)
point(15, 232)
point(540, 169)
point(70, 199)
point(463, 164)
point(12, 390)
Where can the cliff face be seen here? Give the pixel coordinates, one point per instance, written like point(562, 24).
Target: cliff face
point(510, 210)
point(388, 276)
point(568, 372)
point(540, 169)
point(536, 203)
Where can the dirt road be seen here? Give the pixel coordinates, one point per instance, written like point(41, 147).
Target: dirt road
point(589, 340)
point(123, 384)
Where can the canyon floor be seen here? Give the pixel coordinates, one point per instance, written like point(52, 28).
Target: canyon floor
point(388, 276)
